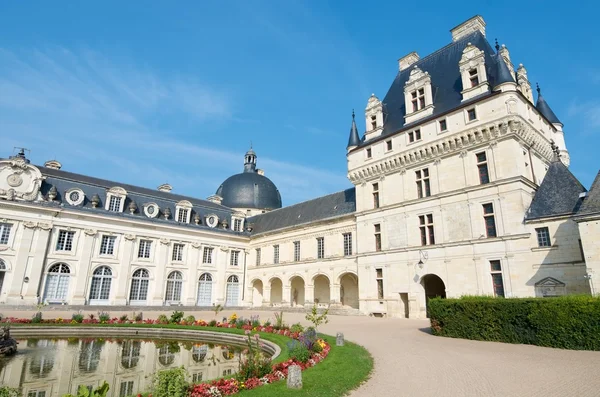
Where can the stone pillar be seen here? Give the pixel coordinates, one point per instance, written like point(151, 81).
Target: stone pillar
point(286, 296)
point(38, 262)
point(266, 301)
point(122, 275)
point(294, 378)
point(82, 274)
point(19, 266)
point(162, 256)
point(413, 306)
point(309, 295)
point(334, 294)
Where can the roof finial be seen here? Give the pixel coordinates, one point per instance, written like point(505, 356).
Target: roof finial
point(497, 46)
point(538, 89)
point(250, 145)
point(352, 114)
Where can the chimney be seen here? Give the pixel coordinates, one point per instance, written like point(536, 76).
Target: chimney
point(55, 165)
point(215, 198)
point(407, 60)
point(469, 26)
point(165, 187)
point(260, 172)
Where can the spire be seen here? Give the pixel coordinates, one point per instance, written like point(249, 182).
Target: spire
point(503, 75)
point(354, 139)
point(543, 107)
point(250, 160)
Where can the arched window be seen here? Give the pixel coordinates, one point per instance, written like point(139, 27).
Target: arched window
point(139, 286)
point(199, 353)
point(233, 291)
point(227, 353)
point(174, 283)
point(89, 356)
point(42, 364)
point(2, 271)
point(165, 356)
point(130, 355)
point(57, 283)
point(205, 290)
point(101, 280)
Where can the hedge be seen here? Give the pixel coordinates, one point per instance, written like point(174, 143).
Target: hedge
point(569, 322)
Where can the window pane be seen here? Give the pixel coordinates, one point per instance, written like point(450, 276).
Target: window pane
point(495, 266)
point(498, 284)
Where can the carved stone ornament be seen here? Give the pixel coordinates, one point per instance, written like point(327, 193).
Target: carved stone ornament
point(30, 225)
point(45, 226)
point(212, 220)
point(196, 245)
point(165, 241)
point(89, 232)
point(16, 173)
point(224, 249)
point(3, 248)
point(129, 237)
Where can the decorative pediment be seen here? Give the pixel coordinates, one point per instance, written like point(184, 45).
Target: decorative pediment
point(118, 191)
point(19, 180)
point(184, 204)
point(549, 286)
point(416, 74)
point(549, 282)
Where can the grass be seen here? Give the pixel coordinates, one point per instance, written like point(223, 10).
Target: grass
point(345, 368)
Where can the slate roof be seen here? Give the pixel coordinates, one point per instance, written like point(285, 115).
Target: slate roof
point(64, 181)
point(321, 208)
point(503, 74)
point(354, 139)
point(446, 81)
point(557, 195)
point(249, 190)
point(543, 107)
point(591, 203)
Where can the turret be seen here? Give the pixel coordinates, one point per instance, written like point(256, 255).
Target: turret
point(558, 136)
point(354, 139)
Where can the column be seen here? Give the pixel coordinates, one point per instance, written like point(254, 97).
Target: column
point(38, 262)
point(309, 295)
point(266, 295)
point(82, 274)
point(334, 294)
point(122, 275)
point(20, 264)
point(286, 291)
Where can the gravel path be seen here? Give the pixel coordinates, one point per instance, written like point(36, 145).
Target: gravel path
point(411, 362)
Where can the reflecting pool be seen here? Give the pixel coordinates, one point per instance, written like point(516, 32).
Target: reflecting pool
point(55, 367)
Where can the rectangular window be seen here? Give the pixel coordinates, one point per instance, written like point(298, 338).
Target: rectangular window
point(107, 245)
point(258, 257)
point(423, 186)
point(144, 249)
point(484, 176)
point(472, 114)
point(197, 377)
point(388, 145)
point(376, 195)
point(114, 204)
point(177, 252)
point(418, 99)
point(321, 247)
point(182, 215)
point(126, 388)
point(414, 101)
point(426, 229)
point(414, 136)
point(36, 393)
point(237, 225)
point(421, 98)
point(377, 237)
point(373, 122)
point(5, 232)
point(207, 255)
point(473, 77)
point(379, 278)
point(490, 221)
point(497, 281)
point(235, 258)
point(369, 153)
point(347, 244)
point(543, 237)
point(296, 251)
point(276, 254)
point(65, 240)
point(443, 126)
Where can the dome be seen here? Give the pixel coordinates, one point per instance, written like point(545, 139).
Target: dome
point(250, 189)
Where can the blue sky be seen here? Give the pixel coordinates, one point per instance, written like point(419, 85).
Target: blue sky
point(145, 93)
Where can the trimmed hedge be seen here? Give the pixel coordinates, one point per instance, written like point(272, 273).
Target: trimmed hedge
point(568, 322)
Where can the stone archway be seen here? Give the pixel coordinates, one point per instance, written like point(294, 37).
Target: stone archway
point(349, 290)
point(434, 288)
point(257, 293)
point(276, 292)
point(322, 290)
point(297, 291)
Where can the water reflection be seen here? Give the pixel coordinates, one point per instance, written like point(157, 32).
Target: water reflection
point(54, 367)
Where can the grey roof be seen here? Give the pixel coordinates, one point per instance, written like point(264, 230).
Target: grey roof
point(446, 81)
point(249, 190)
point(63, 181)
point(354, 139)
point(591, 203)
point(321, 208)
point(557, 195)
point(544, 108)
point(503, 75)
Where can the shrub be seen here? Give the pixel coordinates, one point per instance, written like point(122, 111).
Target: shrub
point(83, 391)
point(103, 317)
point(298, 351)
point(77, 317)
point(37, 318)
point(162, 319)
point(138, 316)
point(176, 317)
point(190, 319)
point(317, 319)
point(569, 322)
point(254, 321)
point(124, 317)
point(255, 364)
point(297, 328)
point(308, 338)
point(171, 383)
point(278, 320)
point(212, 323)
point(6, 391)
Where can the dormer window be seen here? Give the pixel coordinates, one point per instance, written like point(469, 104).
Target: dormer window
point(237, 225)
point(473, 77)
point(115, 199)
point(418, 95)
point(472, 71)
point(418, 99)
point(184, 211)
point(373, 122)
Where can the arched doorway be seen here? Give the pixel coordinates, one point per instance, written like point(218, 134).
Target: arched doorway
point(322, 293)
point(276, 291)
point(100, 290)
point(174, 286)
point(205, 290)
point(349, 290)
point(257, 293)
point(297, 291)
point(232, 294)
point(57, 283)
point(434, 288)
point(138, 292)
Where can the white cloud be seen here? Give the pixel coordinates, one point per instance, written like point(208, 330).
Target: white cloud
point(589, 112)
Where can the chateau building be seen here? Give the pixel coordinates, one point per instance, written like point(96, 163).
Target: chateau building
point(461, 186)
